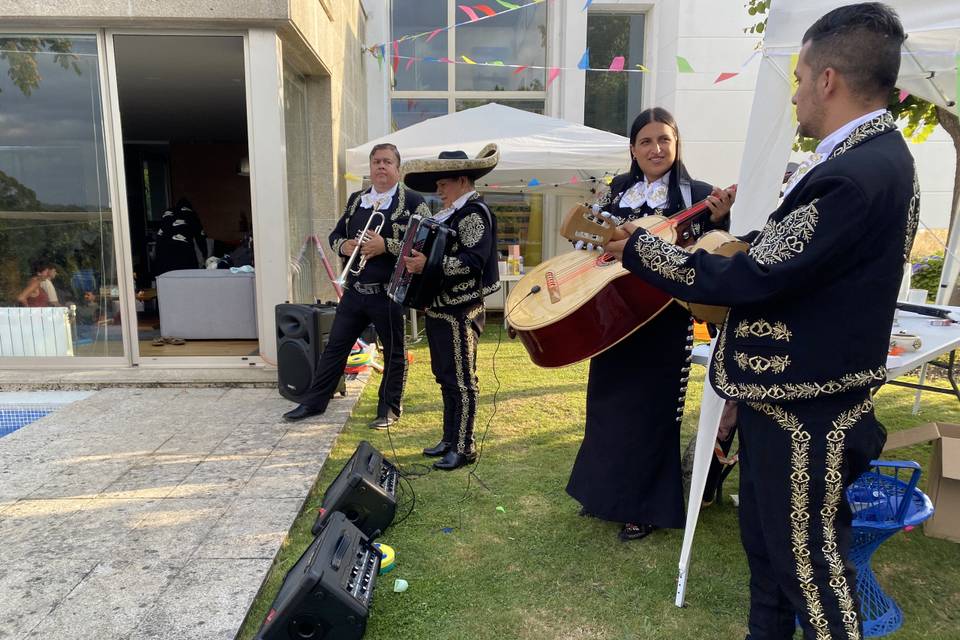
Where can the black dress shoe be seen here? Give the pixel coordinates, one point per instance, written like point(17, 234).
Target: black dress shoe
point(302, 411)
point(632, 531)
point(453, 460)
point(437, 450)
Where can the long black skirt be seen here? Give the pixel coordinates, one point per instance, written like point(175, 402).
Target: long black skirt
point(628, 467)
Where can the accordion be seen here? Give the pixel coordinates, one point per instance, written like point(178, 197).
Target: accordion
point(419, 290)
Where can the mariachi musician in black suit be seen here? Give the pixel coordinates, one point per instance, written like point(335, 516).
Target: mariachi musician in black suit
point(470, 273)
point(628, 467)
point(811, 308)
point(365, 297)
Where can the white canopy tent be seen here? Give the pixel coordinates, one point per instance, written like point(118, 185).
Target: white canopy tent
point(928, 70)
point(551, 150)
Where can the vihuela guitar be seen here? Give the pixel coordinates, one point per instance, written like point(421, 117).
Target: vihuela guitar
point(578, 304)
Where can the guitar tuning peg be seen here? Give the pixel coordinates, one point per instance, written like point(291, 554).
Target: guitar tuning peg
point(589, 246)
point(578, 244)
point(596, 208)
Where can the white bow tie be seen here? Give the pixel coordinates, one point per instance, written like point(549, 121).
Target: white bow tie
point(654, 195)
point(375, 201)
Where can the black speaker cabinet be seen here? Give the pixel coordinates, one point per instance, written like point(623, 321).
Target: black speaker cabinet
point(365, 491)
point(327, 593)
point(302, 331)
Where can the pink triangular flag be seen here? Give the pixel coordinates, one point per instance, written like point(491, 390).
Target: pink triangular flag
point(554, 72)
point(617, 64)
point(726, 75)
point(520, 69)
point(470, 12)
point(433, 34)
point(409, 64)
point(904, 95)
point(574, 180)
point(447, 60)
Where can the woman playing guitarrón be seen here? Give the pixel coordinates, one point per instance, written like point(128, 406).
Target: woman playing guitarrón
point(628, 466)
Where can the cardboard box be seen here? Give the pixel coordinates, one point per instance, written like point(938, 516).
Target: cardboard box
point(943, 474)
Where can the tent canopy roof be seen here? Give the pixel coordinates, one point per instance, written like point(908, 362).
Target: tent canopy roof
point(531, 146)
point(932, 46)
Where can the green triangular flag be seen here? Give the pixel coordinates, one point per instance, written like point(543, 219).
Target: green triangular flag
point(683, 66)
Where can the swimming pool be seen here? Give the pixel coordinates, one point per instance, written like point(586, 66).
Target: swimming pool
point(18, 409)
point(14, 417)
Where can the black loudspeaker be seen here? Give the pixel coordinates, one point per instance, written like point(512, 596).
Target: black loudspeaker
point(327, 593)
point(365, 491)
point(302, 331)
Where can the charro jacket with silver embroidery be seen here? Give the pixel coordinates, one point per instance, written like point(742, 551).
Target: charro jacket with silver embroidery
point(470, 267)
point(397, 214)
point(812, 301)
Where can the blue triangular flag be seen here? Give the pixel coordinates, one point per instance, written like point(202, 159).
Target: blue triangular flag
point(589, 2)
point(584, 60)
point(533, 182)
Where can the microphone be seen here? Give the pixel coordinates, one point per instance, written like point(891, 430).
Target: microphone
point(535, 289)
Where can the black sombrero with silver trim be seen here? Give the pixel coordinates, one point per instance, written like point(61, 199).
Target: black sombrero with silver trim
point(422, 175)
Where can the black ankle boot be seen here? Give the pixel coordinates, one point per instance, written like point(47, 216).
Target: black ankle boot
point(437, 450)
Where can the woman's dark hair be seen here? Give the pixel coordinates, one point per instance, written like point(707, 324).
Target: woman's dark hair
point(678, 171)
point(41, 265)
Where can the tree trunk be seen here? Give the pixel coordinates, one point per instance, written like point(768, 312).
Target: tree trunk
point(951, 124)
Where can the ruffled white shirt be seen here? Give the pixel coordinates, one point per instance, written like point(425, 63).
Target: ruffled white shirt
point(654, 194)
point(444, 214)
point(377, 201)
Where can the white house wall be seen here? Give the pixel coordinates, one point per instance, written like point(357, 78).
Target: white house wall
point(712, 117)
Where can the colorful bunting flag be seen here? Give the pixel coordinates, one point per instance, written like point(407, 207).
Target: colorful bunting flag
point(683, 66)
point(467, 60)
point(903, 95)
point(554, 72)
point(574, 180)
point(725, 76)
point(352, 177)
point(617, 63)
point(485, 10)
point(396, 56)
point(433, 34)
point(584, 60)
point(470, 12)
point(496, 63)
point(642, 68)
point(447, 60)
point(520, 69)
point(409, 64)
point(587, 5)
point(533, 182)
point(507, 5)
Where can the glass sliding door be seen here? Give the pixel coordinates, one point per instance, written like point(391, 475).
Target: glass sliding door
point(59, 289)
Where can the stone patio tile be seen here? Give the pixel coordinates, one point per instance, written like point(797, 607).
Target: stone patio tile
point(224, 476)
point(208, 599)
point(109, 602)
point(157, 478)
point(251, 528)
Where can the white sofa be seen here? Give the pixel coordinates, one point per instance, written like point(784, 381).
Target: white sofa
point(207, 304)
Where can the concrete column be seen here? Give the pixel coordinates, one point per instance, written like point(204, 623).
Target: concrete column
point(268, 180)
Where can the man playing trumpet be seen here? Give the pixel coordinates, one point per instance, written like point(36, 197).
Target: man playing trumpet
point(365, 292)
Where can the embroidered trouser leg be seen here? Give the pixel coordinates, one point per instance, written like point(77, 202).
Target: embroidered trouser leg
point(452, 336)
point(797, 459)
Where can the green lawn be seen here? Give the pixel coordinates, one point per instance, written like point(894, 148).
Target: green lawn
point(536, 570)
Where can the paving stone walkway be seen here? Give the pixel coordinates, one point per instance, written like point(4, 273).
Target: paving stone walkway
point(151, 513)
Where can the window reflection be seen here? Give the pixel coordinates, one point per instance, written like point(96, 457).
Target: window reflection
point(59, 293)
point(412, 17)
point(613, 99)
point(409, 111)
point(514, 37)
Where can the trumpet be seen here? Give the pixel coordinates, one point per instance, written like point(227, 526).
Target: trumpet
point(348, 269)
